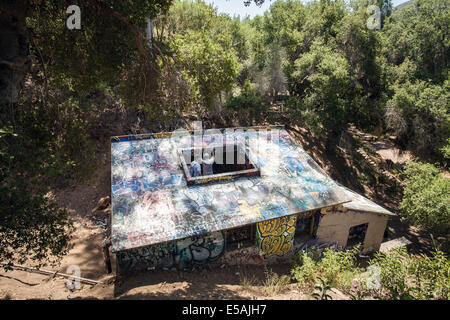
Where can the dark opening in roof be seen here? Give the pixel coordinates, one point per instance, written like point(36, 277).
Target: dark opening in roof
point(228, 161)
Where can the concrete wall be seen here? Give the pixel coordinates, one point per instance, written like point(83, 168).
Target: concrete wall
point(335, 225)
point(333, 230)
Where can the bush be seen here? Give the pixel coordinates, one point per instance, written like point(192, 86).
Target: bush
point(249, 103)
point(305, 271)
point(338, 268)
point(394, 273)
point(425, 200)
point(418, 115)
point(405, 276)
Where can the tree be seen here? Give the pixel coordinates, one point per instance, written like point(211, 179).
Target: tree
point(110, 36)
point(323, 78)
point(419, 32)
point(418, 113)
point(210, 67)
point(425, 200)
point(34, 135)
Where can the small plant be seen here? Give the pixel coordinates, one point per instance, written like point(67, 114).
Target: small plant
point(275, 283)
point(323, 288)
point(247, 282)
point(337, 267)
point(305, 269)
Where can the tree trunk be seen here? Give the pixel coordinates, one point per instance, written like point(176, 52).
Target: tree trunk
point(14, 48)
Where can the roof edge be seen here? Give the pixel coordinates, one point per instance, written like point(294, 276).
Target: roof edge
point(185, 132)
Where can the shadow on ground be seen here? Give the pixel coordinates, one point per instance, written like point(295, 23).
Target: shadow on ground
point(205, 283)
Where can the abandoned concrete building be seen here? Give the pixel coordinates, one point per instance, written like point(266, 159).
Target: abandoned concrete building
point(263, 198)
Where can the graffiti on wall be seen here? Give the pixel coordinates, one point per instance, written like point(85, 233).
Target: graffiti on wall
point(276, 236)
point(176, 255)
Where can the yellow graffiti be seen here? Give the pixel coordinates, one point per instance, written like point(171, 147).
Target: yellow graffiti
point(276, 245)
point(216, 178)
point(262, 127)
point(162, 135)
point(276, 236)
point(276, 227)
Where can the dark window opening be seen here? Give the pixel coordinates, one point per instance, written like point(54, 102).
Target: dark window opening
point(206, 164)
point(239, 160)
point(357, 234)
point(304, 228)
point(241, 237)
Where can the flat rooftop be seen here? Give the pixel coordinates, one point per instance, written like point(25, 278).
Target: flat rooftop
point(155, 200)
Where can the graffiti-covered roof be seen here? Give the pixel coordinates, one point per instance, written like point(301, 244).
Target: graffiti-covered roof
point(361, 203)
point(153, 203)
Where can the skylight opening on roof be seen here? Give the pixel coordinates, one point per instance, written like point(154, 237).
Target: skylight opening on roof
point(204, 164)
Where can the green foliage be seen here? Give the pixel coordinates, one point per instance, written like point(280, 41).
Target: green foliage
point(323, 288)
point(275, 283)
point(186, 15)
point(31, 225)
point(323, 75)
point(331, 62)
point(249, 104)
point(414, 58)
point(210, 67)
point(425, 200)
point(446, 150)
point(337, 268)
point(401, 275)
point(97, 53)
point(43, 142)
point(431, 275)
point(419, 114)
point(419, 33)
point(405, 276)
point(304, 270)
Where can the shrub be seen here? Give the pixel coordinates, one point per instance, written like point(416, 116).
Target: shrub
point(393, 272)
point(275, 283)
point(431, 275)
point(304, 271)
point(338, 268)
point(249, 103)
point(425, 200)
point(405, 276)
point(418, 115)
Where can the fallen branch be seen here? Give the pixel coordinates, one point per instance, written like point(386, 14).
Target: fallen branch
point(53, 273)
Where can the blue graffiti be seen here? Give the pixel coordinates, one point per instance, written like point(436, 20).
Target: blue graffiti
point(294, 165)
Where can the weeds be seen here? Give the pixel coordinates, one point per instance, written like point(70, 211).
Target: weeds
point(336, 267)
point(275, 283)
point(247, 282)
point(407, 276)
point(323, 288)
